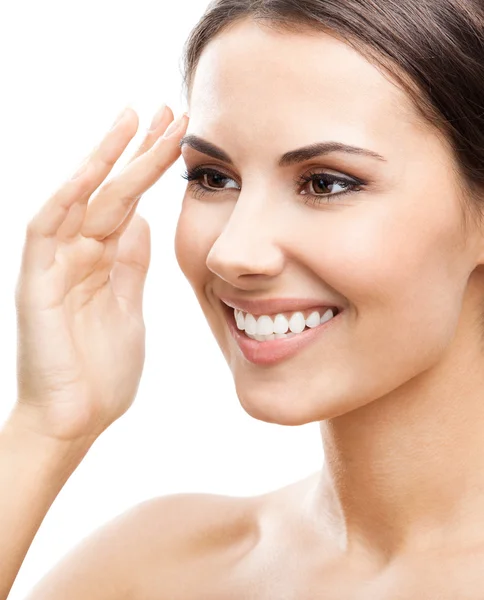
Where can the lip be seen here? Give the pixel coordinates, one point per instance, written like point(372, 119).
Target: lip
point(274, 351)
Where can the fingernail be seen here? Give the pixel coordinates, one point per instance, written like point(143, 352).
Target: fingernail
point(174, 125)
point(158, 117)
point(119, 117)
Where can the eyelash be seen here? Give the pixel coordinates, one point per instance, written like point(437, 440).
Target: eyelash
point(193, 176)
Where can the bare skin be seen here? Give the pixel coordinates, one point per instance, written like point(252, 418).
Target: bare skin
point(197, 547)
point(396, 385)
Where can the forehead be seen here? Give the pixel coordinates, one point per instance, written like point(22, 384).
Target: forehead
point(268, 81)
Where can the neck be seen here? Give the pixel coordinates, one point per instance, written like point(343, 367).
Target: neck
point(407, 470)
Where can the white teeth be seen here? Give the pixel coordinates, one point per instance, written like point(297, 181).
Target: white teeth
point(265, 325)
point(239, 317)
point(281, 324)
point(263, 338)
point(313, 320)
point(297, 323)
point(265, 328)
point(250, 324)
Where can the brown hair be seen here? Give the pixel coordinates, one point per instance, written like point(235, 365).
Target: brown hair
point(433, 48)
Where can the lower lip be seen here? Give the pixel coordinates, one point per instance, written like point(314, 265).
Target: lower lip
point(275, 351)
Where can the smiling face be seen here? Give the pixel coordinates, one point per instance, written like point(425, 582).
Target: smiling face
point(391, 252)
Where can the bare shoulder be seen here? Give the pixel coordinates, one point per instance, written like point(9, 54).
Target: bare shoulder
point(197, 541)
point(145, 550)
point(185, 524)
point(217, 546)
point(180, 546)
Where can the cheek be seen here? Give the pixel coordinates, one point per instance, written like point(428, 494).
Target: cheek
point(197, 230)
point(386, 254)
point(399, 272)
point(194, 237)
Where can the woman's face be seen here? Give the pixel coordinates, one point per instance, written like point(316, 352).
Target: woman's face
point(391, 254)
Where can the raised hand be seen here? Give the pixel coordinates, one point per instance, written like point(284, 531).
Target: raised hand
point(81, 334)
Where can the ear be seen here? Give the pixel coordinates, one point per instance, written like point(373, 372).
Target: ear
point(473, 229)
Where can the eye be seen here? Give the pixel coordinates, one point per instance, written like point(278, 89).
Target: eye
point(322, 182)
point(204, 180)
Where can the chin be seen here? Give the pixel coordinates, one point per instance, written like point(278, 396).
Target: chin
point(287, 405)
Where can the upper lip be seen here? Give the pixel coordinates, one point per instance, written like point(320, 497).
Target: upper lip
point(273, 306)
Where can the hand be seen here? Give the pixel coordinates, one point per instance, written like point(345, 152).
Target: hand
point(81, 334)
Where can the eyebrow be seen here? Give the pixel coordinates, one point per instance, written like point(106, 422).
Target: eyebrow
point(289, 158)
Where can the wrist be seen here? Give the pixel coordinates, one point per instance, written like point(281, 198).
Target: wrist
point(57, 457)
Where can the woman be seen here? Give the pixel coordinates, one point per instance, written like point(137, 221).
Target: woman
point(357, 129)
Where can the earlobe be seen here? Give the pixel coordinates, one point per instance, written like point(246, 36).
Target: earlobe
point(475, 240)
point(471, 236)
point(474, 248)
point(480, 259)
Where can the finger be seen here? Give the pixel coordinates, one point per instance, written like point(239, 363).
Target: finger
point(109, 208)
point(129, 272)
point(162, 118)
point(159, 124)
point(72, 224)
point(41, 234)
point(41, 241)
point(82, 184)
point(117, 233)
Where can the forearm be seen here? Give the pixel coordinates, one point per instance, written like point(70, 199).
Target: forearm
point(33, 470)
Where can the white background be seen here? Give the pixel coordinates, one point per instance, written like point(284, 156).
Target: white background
point(67, 70)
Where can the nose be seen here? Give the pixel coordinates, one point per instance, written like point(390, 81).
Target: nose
point(247, 247)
